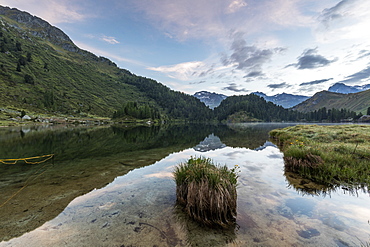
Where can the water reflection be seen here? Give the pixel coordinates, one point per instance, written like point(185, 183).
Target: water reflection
point(137, 206)
point(211, 142)
point(138, 209)
point(306, 186)
point(85, 158)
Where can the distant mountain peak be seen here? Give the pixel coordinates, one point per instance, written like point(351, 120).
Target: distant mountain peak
point(340, 87)
point(285, 100)
point(212, 100)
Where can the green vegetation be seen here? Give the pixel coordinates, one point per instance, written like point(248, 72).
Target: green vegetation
point(330, 155)
point(358, 102)
point(252, 108)
point(207, 192)
point(133, 110)
point(48, 75)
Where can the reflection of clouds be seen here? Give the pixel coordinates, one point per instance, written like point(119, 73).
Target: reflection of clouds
point(275, 156)
point(357, 212)
point(160, 175)
point(264, 203)
point(254, 168)
point(235, 154)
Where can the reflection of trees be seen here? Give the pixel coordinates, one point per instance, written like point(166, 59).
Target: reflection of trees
point(86, 158)
point(85, 142)
point(306, 186)
point(249, 136)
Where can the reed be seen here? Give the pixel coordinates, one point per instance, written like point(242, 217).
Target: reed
point(207, 191)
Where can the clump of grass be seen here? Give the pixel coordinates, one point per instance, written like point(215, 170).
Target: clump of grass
point(330, 155)
point(207, 192)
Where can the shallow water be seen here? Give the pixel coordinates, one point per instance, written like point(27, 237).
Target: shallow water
point(137, 207)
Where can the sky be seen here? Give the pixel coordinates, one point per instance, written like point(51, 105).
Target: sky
point(231, 47)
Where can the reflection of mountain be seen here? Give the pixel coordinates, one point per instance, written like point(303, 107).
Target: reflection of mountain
point(265, 145)
point(211, 142)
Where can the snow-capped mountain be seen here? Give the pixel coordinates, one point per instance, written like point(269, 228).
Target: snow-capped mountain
point(345, 89)
point(283, 99)
point(212, 100)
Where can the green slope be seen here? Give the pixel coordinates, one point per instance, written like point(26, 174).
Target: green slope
point(41, 70)
point(358, 102)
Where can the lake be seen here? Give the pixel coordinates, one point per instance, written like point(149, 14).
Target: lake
point(113, 186)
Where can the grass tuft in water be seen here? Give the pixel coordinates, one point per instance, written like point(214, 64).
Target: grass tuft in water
point(206, 191)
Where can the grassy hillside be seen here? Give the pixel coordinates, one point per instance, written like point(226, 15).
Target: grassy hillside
point(358, 102)
point(38, 75)
point(42, 71)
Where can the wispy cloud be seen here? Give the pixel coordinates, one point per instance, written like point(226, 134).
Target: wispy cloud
point(254, 74)
point(235, 88)
point(279, 85)
point(346, 20)
point(110, 40)
point(197, 82)
point(182, 71)
point(310, 59)
point(363, 75)
point(310, 83)
point(209, 19)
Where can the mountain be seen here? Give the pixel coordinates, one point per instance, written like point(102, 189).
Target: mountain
point(358, 102)
point(285, 100)
point(343, 88)
point(212, 100)
point(43, 71)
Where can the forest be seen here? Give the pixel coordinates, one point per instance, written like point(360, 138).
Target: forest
point(244, 108)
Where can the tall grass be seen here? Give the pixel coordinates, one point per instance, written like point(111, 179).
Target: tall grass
point(206, 191)
point(338, 154)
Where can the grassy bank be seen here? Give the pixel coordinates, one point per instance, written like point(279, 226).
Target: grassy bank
point(337, 154)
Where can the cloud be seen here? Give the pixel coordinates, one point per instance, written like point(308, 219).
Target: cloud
point(233, 87)
point(197, 82)
point(363, 54)
point(311, 60)
point(315, 82)
point(254, 74)
point(235, 6)
point(199, 19)
point(348, 19)
point(279, 85)
point(248, 58)
point(182, 71)
point(110, 40)
point(358, 76)
point(330, 15)
point(53, 11)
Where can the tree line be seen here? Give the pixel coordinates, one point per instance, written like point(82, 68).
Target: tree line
point(257, 107)
point(177, 105)
point(132, 109)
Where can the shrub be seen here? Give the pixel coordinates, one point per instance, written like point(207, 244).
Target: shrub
point(207, 192)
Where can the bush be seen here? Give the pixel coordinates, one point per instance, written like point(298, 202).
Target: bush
point(207, 192)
